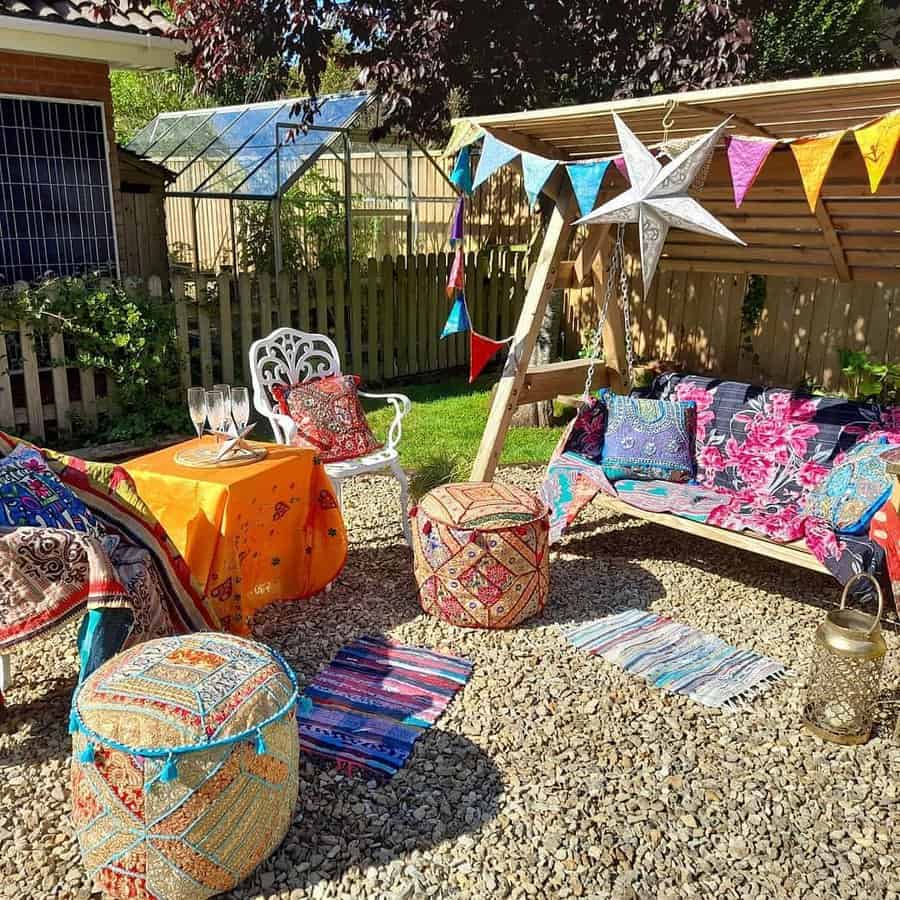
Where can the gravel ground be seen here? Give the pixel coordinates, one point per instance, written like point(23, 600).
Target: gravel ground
point(553, 774)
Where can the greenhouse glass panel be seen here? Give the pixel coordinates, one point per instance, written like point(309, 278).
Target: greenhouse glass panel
point(151, 133)
point(183, 128)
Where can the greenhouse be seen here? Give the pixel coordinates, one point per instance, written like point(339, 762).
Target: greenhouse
point(254, 188)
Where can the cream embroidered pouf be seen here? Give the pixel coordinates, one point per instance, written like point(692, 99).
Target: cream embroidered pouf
point(184, 771)
point(481, 555)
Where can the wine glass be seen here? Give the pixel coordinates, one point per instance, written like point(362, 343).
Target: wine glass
point(240, 407)
point(215, 410)
point(197, 407)
point(226, 400)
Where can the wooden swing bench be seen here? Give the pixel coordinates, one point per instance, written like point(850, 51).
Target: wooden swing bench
point(547, 382)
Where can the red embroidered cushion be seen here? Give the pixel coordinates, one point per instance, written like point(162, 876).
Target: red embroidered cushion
point(329, 416)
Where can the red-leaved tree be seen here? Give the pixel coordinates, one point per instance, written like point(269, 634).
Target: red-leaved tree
point(415, 55)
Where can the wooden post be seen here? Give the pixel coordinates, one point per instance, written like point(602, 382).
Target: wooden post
point(510, 385)
point(614, 326)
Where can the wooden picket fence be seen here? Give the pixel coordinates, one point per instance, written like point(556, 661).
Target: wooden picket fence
point(385, 316)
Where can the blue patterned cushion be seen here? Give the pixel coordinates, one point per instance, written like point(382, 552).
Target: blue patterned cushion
point(854, 490)
point(648, 439)
point(30, 494)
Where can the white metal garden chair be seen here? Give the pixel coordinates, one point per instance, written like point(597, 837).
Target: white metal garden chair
point(287, 357)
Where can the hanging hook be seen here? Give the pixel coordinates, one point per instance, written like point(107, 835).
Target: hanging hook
point(668, 119)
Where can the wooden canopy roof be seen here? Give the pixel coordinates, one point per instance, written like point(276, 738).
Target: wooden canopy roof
point(852, 235)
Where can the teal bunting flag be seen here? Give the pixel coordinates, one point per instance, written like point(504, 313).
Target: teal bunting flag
point(494, 154)
point(535, 172)
point(458, 320)
point(461, 175)
point(586, 178)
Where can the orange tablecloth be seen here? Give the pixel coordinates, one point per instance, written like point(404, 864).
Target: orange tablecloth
point(249, 534)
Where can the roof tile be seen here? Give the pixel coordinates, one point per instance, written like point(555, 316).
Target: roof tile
point(146, 20)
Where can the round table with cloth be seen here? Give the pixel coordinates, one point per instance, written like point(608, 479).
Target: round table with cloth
point(185, 765)
point(481, 557)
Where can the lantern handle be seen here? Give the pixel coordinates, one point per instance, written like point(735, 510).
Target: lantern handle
point(878, 591)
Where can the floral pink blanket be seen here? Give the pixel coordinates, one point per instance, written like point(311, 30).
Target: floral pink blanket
point(758, 451)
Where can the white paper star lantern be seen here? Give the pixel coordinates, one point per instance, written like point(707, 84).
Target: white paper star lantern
point(657, 199)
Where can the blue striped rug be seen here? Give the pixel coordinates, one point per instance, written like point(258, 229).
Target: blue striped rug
point(678, 658)
point(369, 705)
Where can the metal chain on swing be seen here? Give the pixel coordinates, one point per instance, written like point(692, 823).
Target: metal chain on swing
point(616, 264)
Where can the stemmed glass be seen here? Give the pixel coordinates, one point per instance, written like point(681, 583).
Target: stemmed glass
point(197, 408)
point(240, 408)
point(215, 410)
point(226, 400)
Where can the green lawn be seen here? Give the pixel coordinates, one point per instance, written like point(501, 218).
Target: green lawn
point(449, 417)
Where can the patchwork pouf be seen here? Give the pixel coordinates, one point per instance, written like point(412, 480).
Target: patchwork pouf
point(184, 772)
point(481, 557)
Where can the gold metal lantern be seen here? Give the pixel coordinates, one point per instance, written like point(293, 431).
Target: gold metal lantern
point(845, 675)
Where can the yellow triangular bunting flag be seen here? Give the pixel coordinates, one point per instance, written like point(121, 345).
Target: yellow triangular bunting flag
point(814, 155)
point(877, 143)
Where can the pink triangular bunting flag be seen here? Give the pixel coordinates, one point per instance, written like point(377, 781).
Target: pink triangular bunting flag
point(457, 274)
point(746, 157)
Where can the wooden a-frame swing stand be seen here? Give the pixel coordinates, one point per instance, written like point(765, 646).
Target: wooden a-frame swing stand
point(846, 238)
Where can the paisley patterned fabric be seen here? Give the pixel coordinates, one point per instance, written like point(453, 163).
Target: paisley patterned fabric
point(328, 416)
point(185, 766)
point(588, 428)
point(30, 494)
point(854, 490)
point(480, 553)
point(649, 439)
point(50, 575)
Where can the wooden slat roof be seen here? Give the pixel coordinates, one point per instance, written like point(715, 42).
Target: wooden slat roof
point(780, 109)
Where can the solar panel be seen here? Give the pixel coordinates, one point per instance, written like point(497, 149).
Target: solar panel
point(55, 205)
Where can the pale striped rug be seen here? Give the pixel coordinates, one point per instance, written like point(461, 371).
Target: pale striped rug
point(678, 658)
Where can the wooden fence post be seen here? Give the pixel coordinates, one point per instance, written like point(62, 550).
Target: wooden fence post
point(226, 341)
point(181, 330)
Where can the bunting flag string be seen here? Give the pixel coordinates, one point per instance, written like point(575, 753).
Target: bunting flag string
point(535, 172)
point(481, 350)
point(746, 157)
point(877, 143)
point(813, 156)
point(586, 179)
point(461, 175)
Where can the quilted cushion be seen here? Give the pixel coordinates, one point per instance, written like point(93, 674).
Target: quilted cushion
point(586, 435)
point(329, 416)
point(648, 439)
point(854, 490)
point(32, 495)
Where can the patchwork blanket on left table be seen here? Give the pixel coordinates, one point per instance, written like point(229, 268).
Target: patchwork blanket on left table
point(50, 575)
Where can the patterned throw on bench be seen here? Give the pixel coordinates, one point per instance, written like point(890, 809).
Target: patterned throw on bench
point(678, 658)
point(368, 706)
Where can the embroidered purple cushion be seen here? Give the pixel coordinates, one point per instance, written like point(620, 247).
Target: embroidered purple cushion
point(648, 439)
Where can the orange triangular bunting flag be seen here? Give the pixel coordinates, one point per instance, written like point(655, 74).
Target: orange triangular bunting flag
point(877, 143)
point(814, 155)
point(481, 349)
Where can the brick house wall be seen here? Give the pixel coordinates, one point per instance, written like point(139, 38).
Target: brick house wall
point(66, 79)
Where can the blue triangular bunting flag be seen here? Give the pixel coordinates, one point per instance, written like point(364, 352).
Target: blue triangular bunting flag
point(494, 154)
point(461, 175)
point(458, 320)
point(586, 178)
point(535, 172)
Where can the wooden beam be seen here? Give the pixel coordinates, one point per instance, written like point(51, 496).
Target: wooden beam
point(796, 553)
point(614, 326)
point(564, 275)
point(539, 290)
point(528, 144)
point(590, 247)
point(549, 381)
point(832, 241)
point(721, 115)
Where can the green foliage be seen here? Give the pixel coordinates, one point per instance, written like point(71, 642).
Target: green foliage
point(816, 37)
point(439, 468)
point(587, 345)
point(140, 96)
point(870, 380)
point(752, 310)
point(122, 332)
point(312, 228)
